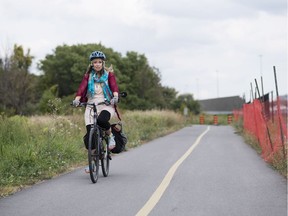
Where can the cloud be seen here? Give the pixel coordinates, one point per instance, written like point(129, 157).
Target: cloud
point(214, 10)
point(267, 6)
point(188, 41)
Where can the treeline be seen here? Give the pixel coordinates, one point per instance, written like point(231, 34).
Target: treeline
point(24, 93)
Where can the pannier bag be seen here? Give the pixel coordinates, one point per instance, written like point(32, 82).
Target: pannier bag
point(119, 136)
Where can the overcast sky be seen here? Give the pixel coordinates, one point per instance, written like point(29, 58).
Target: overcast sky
point(209, 48)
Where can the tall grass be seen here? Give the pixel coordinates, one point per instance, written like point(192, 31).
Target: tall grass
point(33, 150)
point(277, 161)
point(141, 126)
point(40, 147)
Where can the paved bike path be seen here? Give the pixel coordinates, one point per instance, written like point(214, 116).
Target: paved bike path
point(222, 176)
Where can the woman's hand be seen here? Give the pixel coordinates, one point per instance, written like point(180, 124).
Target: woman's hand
point(76, 103)
point(114, 100)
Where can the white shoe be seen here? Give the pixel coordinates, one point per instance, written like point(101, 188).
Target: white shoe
point(111, 142)
point(87, 170)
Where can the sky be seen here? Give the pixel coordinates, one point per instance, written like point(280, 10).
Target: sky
point(206, 48)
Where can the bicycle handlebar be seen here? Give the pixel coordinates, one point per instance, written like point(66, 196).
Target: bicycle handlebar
point(121, 94)
point(96, 104)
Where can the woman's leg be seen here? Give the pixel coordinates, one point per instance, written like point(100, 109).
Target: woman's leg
point(103, 121)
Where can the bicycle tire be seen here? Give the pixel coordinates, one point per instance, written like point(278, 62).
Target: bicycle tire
point(105, 159)
point(93, 157)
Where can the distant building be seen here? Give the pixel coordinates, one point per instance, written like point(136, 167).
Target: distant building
point(224, 105)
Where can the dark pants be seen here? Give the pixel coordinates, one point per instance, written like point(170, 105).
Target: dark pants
point(103, 121)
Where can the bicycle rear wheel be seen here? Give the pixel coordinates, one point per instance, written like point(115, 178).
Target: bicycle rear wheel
point(93, 155)
point(105, 158)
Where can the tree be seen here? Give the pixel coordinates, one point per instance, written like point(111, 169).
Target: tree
point(186, 100)
point(19, 60)
point(17, 85)
point(169, 95)
point(143, 83)
point(66, 66)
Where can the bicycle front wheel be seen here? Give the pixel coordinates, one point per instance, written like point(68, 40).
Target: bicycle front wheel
point(93, 155)
point(105, 159)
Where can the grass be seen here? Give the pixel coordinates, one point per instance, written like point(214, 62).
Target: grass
point(40, 147)
point(142, 126)
point(36, 148)
point(33, 150)
point(278, 161)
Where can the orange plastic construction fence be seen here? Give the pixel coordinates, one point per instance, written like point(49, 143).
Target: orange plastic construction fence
point(268, 125)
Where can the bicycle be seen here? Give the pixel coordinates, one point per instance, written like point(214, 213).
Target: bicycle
point(97, 147)
point(99, 140)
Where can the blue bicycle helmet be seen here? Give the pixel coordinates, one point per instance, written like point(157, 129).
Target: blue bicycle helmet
point(97, 54)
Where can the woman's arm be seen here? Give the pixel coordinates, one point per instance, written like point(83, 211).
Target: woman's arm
point(113, 84)
point(82, 90)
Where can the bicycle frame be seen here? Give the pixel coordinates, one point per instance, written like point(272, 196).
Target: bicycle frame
point(101, 152)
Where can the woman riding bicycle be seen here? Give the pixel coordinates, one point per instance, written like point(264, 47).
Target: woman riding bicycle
point(98, 85)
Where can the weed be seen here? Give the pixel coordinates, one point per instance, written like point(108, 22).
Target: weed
point(40, 147)
point(277, 160)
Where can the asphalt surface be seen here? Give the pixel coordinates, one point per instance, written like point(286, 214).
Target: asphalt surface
point(221, 176)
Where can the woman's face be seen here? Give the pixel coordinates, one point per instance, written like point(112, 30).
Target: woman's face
point(97, 64)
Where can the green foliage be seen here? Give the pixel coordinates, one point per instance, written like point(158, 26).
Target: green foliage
point(24, 93)
point(67, 65)
point(37, 148)
point(169, 95)
point(278, 159)
point(49, 98)
point(19, 60)
point(40, 147)
point(141, 126)
point(186, 100)
point(18, 88)
point(143, 82)
point(238, 125)
point(279, 162)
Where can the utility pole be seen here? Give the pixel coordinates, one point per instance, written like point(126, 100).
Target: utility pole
point(217, 84)
point(198, 96)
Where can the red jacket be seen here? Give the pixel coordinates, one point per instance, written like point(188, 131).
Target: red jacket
point(82, 90)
